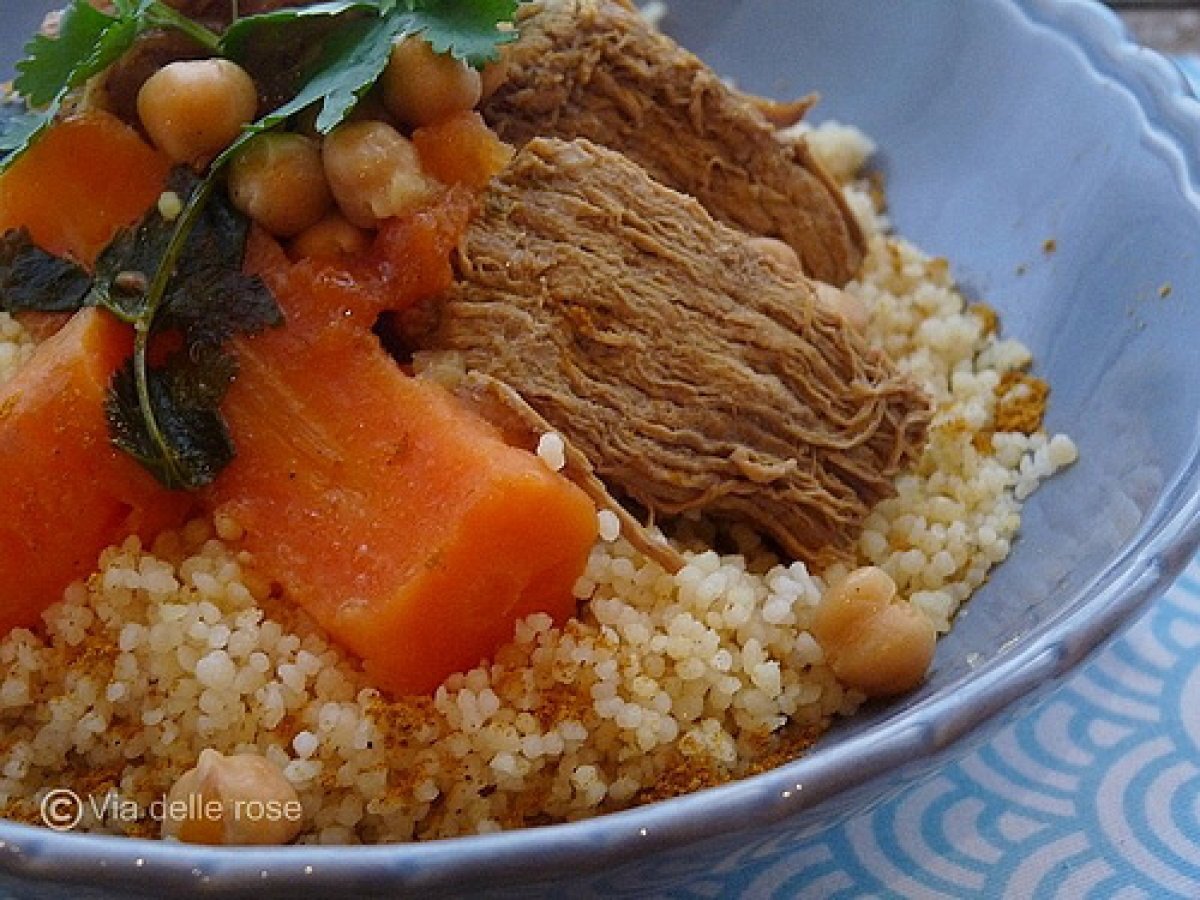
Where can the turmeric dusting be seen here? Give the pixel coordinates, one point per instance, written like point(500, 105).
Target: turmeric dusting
point(1021, 402)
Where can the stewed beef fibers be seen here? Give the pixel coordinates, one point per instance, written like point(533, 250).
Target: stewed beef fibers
point(691, 373)
point(596, 69)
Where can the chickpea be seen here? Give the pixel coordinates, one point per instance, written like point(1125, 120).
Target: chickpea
point(330, 238)
point(842, 303)
point(374, 172)
point(278, 180)
point(778, 254)
point(421, 86)
point(239, 799)
point(872, 641)
point(193, 109)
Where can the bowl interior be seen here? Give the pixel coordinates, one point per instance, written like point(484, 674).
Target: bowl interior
point(1055, 167)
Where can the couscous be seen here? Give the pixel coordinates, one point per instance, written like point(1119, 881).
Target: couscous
point(664, 683)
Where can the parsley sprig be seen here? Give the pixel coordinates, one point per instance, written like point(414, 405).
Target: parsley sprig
point(184, 277)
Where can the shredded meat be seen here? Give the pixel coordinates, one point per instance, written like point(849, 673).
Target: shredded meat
point(596, 69)
point(691, 374)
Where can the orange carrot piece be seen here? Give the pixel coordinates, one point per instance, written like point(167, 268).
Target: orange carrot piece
point(401, 522)
point(67, 493)
point(85, 179)
point(413, 251)
point(461, 149)
point(408, 259)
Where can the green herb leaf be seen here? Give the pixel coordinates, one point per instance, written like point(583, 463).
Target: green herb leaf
point(211, 299)
point(187, 276)
point(351, 61)
point(354, 55)
point(468, 31)
point(123, 271)
point(51, 63)
point(32, 280)
point(273, 27)
point(189, 444)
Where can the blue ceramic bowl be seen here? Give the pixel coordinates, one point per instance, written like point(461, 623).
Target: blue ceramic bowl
point(1002, 125)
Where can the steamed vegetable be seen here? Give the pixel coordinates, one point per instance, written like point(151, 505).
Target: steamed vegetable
point(461, 149)
point(67, 493)
point(90, 176)
point(400, 521)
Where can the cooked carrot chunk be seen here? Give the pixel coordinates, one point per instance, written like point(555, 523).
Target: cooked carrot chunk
point(67, 493)
point(399, 520)
point(461, 149)
point(85, 179)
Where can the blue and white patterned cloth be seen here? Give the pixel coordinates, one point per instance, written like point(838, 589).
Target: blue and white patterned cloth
point(1090, 789)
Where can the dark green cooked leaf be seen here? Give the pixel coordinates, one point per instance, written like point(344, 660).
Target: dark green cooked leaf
point(32, 280)
point(125, 268)
point(273, 27)
point(211, 299)
point(193, 444)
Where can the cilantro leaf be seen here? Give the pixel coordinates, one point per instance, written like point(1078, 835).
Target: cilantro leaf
point(183, 276)
point(355, 54)
point(52, 62)
point(123, 270)
point(207, 297)
point(187, 444)
point(351, 61)
point(273, 27)
point(468, 31)
point(33, 280)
